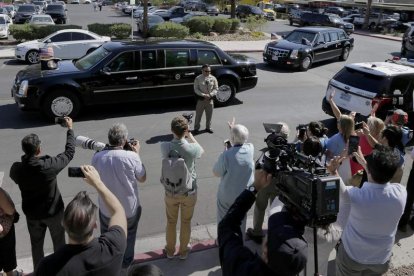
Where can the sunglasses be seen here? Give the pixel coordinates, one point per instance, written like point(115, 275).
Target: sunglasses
point(207, 71)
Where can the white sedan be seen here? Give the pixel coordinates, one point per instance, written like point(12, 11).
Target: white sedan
point(66, 44)
point(5, 22)
point(41, 19)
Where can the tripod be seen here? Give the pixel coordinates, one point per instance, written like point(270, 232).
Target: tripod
point(315, 252)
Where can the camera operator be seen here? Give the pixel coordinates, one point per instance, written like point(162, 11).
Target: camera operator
point(235, 166)
point(369, 235)
point(264, 198)
point(120, 167)
point(42, 202)
point(284, 251)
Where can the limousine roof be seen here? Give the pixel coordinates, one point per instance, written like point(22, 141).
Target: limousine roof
point(162, 44)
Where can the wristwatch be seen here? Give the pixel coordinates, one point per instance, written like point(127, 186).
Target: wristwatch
point(252, 189)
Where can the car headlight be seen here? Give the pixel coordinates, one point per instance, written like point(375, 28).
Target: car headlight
point(2, 28)
point(266, 48)
point(24, 86)
point(294, 54)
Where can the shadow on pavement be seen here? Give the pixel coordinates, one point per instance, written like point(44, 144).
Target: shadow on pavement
point(159, 138)
point(12, 118)
point(12, 62)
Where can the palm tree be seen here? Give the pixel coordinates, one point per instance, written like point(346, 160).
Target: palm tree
point(145, 20)
point(233, 9)
point(367, 14)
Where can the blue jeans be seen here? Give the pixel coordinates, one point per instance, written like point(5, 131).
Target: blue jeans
point(132, 226)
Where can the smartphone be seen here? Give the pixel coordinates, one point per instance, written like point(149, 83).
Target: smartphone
point(227, 144)
point(353, 144)
point(75, 172)
point(358, 125)
point(61, 121)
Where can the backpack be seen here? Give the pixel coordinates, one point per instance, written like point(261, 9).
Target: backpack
point(175, 175)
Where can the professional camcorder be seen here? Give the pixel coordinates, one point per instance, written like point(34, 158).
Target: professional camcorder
point(88, 143)
point(303, 182)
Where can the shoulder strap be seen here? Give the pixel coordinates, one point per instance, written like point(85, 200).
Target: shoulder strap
point(173, 151)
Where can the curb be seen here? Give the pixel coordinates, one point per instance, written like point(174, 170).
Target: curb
point(379, 36)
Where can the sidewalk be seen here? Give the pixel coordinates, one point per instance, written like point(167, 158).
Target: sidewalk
point(228, 46)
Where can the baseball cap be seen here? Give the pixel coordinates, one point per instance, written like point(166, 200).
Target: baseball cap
point(399, 117)
point(287, 251)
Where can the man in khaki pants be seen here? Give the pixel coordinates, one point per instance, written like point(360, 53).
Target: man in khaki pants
point(205, 88)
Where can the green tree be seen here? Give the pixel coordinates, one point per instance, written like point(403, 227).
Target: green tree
point(367, 14)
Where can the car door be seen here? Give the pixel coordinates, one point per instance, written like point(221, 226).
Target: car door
point(330, 46)
point(81, 43)
point(320, 48)
point(336, 44)
point(61, 45)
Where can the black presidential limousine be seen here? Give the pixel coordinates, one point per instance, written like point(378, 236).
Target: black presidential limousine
point(119, 72)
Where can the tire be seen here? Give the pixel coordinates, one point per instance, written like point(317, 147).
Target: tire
point(345, 54)
point(290, 22)
point(61, 103)
point(90, 51)
point(32, 57)
point(305, 63)
point(371, 26)
point(403, 51)
point(226, 92)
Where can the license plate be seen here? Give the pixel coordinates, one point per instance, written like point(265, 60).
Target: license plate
point(275, 57)
point(345, 97)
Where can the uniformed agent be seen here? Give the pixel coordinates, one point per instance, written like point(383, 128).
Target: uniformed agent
point(205, 89)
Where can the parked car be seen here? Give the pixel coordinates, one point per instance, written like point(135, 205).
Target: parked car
point(57, 12)
point(24, 13)
point(280, 8)
point(407, 46)
point(66, 44)
point(329, 20)
point(109, 3)
point(360, 86)
point(41, 4)
point(139, 12)
point(184, 19)
point(11, 10)
point(294, 16)
point(153, 20)
point(173, 12)
point(336, 10)
point(75, 1)
point(121, 72)
point(350, 18)
point(5, 22)
point(374, 19)
point(3, 11)
point(41, 19)
point(212, 10)
point(244, 11)
point(268, 10)
point(305, 46)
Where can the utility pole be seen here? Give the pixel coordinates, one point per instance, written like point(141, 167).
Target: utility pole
point(145, 19)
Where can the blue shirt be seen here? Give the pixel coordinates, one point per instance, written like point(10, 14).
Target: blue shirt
point(370, 231)
point(336, 144)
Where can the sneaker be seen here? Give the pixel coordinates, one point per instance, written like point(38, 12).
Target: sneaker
point(164, 251)
point(209, 130)
point(185, 255)
point(254, 237)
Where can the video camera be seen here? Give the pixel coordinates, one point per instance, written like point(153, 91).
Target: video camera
point(302, 181)
point(91, 144)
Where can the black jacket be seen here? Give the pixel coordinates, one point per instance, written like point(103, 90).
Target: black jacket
point(235, 258)
point(36, 177)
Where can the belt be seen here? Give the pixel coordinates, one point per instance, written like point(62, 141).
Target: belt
point(189, 193)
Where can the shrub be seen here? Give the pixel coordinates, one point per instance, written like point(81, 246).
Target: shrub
point(120, 30)
point(200, 24)
point(100, 29)
point(255, 24)
point(29, 32)
point(222, 25)
point(198, 35)
point(257, 34)
point(169, 29)
point(43, 31)
point(22, 32)
point(235, 24)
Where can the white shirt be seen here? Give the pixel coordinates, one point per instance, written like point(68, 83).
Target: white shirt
point(369, 233)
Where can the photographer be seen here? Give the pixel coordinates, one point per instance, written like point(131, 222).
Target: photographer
point(120, 168)
point(284, 251)
point(265, 197)
point(42, 203)
point(235, 166)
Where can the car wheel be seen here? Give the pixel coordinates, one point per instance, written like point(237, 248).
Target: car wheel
point(61, 103)
point(371, 26)
point(345, 54)
point(306, 63)
point(32, 57)
point(403, 51)
point(225, 93)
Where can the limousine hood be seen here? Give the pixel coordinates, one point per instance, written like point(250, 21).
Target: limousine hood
point(34, 71)
point(285, 44)
point(240, 58)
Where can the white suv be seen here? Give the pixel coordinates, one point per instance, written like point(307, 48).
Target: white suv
point(5, 22)
point(360, 86)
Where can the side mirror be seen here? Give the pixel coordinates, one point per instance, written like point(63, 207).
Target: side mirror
point(106, 71)
point(48, 41)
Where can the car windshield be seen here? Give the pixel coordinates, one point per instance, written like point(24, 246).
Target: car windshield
point(296, 37)
point(38, 3)
point(335, 18)
point(91, 59)
point(54, 7)
point(256, 10)
point(363, 80)
point(26, 9)
point(41, 19)
point(2, 21)
point(9, 8)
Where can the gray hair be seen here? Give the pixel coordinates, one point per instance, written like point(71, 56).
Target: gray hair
point(117, 134)
point(284, 131)
point(239, 134)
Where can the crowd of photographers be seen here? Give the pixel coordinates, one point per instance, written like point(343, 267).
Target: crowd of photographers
point(364, 161)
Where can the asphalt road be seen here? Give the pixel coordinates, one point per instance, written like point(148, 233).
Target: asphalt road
point(281, 95)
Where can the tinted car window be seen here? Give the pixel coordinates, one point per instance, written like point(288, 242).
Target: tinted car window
point(342, 35)
point(2, 21)
point(401, 84)
point(91, 59)
point(320, 38)
point(123, 62)
point(207, 57)
point(362, 80)
point(61, 37)
point(149, 60)
point(296, 36)
point(327, 37)
point(54, 8)
point(334, 36)
point(176, 58)
point(80, 36)
point(26, 9)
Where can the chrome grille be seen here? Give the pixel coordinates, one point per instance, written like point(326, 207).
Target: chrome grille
point(278, 52)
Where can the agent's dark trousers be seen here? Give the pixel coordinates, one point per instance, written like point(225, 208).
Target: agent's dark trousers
point(410, 198)
point(37, 232)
